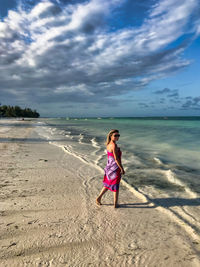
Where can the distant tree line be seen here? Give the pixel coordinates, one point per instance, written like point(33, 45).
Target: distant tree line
point(16, 111)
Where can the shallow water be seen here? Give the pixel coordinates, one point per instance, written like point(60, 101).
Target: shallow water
point(161, 156)
point(151, 148)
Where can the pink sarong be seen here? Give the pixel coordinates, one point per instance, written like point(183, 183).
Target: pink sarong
point(112, 174)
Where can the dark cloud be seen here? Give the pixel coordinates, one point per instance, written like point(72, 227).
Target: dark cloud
point(196, 100)
point(174, 93)
point(163, 91)
point(63, 51)
point(187, 104)
point(194, 103)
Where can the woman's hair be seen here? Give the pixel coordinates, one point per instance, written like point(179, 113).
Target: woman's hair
point(110, 134)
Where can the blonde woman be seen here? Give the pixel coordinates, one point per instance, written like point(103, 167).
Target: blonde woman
point(113, 169)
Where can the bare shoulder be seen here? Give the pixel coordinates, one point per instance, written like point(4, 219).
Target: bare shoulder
point(113, 146)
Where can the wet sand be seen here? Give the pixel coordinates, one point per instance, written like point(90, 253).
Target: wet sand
point(49, 216)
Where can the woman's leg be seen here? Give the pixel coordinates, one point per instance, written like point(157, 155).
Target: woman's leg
point(116, 195)
point(103, 191)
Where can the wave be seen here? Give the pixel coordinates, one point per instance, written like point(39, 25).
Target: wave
point(171, 177)
point(180, 214)
point(95, 143)
point(157, 160)
point(81, 136)
point(70, 151)
point(68, 134)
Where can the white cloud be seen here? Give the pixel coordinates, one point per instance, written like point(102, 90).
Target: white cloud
point(53, 53)
point(40, 9)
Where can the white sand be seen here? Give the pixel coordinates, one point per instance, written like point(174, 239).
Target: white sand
point(49, 216)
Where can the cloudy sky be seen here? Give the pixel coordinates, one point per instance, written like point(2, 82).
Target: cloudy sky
point(100, 57)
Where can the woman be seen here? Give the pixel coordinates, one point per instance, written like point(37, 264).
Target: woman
point(113, 169)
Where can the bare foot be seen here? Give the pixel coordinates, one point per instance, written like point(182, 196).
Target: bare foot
point(98, 202)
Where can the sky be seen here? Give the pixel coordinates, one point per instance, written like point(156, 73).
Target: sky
point(88, 58)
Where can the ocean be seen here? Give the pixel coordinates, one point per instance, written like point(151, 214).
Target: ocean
point(160, 155)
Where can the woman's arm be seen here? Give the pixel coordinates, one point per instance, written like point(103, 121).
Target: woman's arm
point(117, 159)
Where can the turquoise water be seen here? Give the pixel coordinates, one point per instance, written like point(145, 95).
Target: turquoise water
point(161, 157)
point(159, 154)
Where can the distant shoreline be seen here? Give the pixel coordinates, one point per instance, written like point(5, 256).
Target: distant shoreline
point(146, 118)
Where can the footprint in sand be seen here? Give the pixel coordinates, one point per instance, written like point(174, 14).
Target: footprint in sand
point(13, 244)
point(9, 223)
point(33, 221)
point(45, 160)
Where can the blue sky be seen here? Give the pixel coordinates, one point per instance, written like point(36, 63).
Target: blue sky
point(101, 58)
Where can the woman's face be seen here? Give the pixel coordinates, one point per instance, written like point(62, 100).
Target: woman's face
point(115, 136)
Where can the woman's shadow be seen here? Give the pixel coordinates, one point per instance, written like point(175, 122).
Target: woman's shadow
point(163, 202)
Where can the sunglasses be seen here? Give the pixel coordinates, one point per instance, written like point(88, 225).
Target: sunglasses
point(116, 135)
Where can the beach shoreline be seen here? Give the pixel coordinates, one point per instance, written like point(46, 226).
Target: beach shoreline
point(49, 216)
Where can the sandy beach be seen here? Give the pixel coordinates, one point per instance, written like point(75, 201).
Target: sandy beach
point(49, 216)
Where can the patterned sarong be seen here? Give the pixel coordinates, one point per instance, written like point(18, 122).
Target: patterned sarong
point(112, 175)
